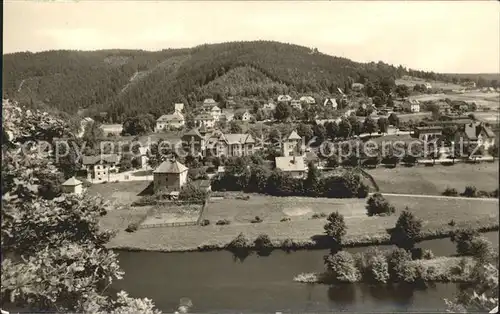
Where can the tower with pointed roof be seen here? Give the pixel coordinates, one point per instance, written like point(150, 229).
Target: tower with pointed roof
point(170, 175)
point(291, 144)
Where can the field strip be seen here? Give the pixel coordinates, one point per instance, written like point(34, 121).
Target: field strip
point(442, 197)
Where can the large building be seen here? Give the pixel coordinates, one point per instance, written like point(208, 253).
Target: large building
point(170, 121)
point(170, 176)
point(228, 144)
point(99, 168)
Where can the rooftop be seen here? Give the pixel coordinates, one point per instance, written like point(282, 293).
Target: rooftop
point(290, 163)
point(170, 166)
point(72, 182)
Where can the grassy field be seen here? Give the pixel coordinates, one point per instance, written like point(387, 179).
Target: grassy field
point(120, 193)
point(435, 84)
point(434, 180)
point(435, 213)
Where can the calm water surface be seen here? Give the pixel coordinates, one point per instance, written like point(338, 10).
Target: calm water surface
point(216, 283)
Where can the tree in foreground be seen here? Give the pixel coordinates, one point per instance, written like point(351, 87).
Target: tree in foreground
point(407, 230)
point(336, 229)
point(54, 254)
point(341, 266)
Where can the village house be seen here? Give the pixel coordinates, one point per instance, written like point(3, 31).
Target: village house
point(230, 144)
point(170, 121)
point(72, 186)
point(208, 104)
point(357, 87)
point(293, 165)
point(307, 100)
point(194, 142)
point(178, 107)
point(269, 106)
point(411, 105)
point(292, 145)
point(476, 133)
point(170, 175)
point(428, 86)
point(296, 104)
point(216, 112)
point(428, 133)
point(204, 119)
point(330, 102)
point(243, 115)
point(100, 167)
point(284, 98)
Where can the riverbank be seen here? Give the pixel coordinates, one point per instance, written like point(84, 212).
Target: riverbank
point(440, 269)
point(316, 243)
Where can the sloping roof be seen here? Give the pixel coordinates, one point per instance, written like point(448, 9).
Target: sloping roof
point(333, 101)
point(91, 160)
point(169, 166)
point(239, 138)
point(171, 117)
point(472, 130)
point(284, 98)
point(72, 182)
point(209, 101)
point(311, 156)
point(215, 108)
point(290, 163)
point(308, 99)
point(193, 132)
point(204, 117)
point(294, 136)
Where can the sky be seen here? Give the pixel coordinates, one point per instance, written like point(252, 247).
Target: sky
point(445, 37)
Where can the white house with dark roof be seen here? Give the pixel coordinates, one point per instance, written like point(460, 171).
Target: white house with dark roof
point(168, 121)
point(269, 106)
point(307, 100)
point(72, 186)
point(476, 133)
point(170, 175)
point(100, 167)
point(292, 165)
point(292, 144)
point(216, 112)
point(204, 119)
point(330, 102)
point(284, 98)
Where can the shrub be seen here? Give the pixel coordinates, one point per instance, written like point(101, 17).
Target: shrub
point(452, 223)
point(470, 191)
point(263, 242)
point(318, 215)
point(205, 222)
point(192, 193)
point(222, 222)
point(240, 242)
point(396, 261)
point(285, 219)
point(481, 248)
point(450, 192)
point(482, 193)
point(378, 268)
point(494, 193)
point(341, 267)
point(132, 227)
point(257, 219)
point(378, 205)
point(463, 239)
point(427, 254)
point(288, 244)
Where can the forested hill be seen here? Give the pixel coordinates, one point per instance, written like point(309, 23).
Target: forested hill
point(124, 82)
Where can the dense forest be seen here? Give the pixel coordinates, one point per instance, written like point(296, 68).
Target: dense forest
point(115, 84)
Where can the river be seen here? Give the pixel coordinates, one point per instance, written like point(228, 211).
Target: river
point(217, 283)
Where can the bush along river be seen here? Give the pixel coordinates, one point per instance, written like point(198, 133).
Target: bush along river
point(217, 282)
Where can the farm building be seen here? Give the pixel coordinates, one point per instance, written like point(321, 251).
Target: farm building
point(170, 175)
point(72, 186)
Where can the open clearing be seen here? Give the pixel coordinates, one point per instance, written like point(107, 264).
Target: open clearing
point(434, 180)
point(172, 214)
point(435, 84)
point(120, 193)
point(436, 213)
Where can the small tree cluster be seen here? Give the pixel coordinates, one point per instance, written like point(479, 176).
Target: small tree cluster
point(377, 204)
